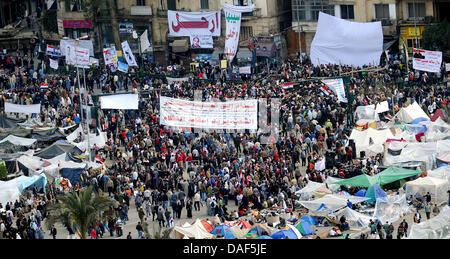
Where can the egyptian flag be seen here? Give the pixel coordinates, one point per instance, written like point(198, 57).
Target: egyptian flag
point(98, 159)
point(387, 117)
point(288, 86)
point(325, 89)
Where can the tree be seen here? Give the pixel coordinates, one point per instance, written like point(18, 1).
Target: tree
point(437, 36)
point(79, 210)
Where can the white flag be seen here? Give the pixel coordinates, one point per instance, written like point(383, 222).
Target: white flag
point(145, 43)
point(233, 16)
point(54, 64)
point(128, 54)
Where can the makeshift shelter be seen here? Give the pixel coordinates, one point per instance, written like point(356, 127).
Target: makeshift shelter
point(208, 227)
point(239, 232)
point(354, 218)
point(19, 141)
point(439, 114)
point(435, 228)
point(284, 234)
point(441, 172)
point(47, 135)
point(389, 175)
point(331, 202)
point(445, 158)
point(391, 208)
point(374, 192)
point(31, 165)
point(362, 180)
point(304, 228)
point(361, 193)
point(194, 231)
point(311, 220)
point(307, 192)
point(370, 141)
point(366, 113)
point(435, 186)
point(223, 230)
point(410, 113)
point(244, 224)
point(57, 149)
point(11, 190)
point(260, 230)
point(419, 120)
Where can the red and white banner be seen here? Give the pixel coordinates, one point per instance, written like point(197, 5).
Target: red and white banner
point(194, 23)
point(427, 60)
point(233, 15)
point(209, 115)
point(77, 56)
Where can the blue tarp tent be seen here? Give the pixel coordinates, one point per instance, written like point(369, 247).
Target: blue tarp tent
point(264, 237)
point(73, 174)
point(374, 192)
point(25, 182)
point(304, 227)
point(285, 234)
point(310, 220)
point(361, 193)
point(260, 231)
point(224, 231)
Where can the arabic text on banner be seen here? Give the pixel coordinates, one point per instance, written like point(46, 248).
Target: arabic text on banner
point(337, 86)
point(427, 60)
point(194, 23)
point(77, 56)
point(54, 64)
point(87, 44)
point(129, 57)
point(233, 15)
point(27, 109)
point(201, 42)
point(341, 42)
point(209, 115)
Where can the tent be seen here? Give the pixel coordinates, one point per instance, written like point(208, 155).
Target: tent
point(362, 180)
point(435, 186)
point(244, 224)
point(361, 193)
point(331, 202)
point(371, 140)
point(410, 113)
point(439, 114)
point(374, 192)
point(11, 190)
point(435, 228)
point(194, 231)
point(354, 218)
point(264, 237)
point(224, 231)
point(47, 135)
point(366, 113)
point(441, 172)
point(389, 175)
point(284, 234)
point(56, 149)
point(311, 220)
point(304, 228)
point(18, 141)
point(260, 230)
point(239, 232)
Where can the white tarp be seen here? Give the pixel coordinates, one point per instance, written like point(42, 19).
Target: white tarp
point(209, 115)
point(194, 23)
point(427, 60)
point(341, 42)
point(27, 109)
point(307, 192)
point(9, 192)
point(129, 57)
point(120, 101)
point(435, 228)
point(33, 163)
point(201, 42)
point(74, 135)
point(233, 16)
point(371, 141)
point(337, 86)
point(18, 141)
point(437, 187)
point(333, 202)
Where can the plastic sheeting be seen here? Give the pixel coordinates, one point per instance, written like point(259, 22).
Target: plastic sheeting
point(371, 141)
point(441, 172)
point(434, 228)
point(366, 113)
point(410, 113)
point(355, 219)
point(391, 208)
point(435, 186)
point(19, 141)
point(307, 192)
point(332, 202)
point(338, 41)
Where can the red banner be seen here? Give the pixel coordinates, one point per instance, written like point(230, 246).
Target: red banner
point(77, 24)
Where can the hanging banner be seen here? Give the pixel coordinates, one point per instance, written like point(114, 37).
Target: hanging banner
point(123, 67)
point(233, 16)
point(77, 56)
point(120, 101)
point(54, 64)
point(209, 115)
point(201, 42)
point(87, 44)
point(27, 109)
point(194, 23)
point(52, 51)
point(247, 70)
point(129, 57)
point(426, 60)
point(337, 86)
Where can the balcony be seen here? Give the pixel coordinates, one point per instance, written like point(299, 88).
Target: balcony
point(252, 15)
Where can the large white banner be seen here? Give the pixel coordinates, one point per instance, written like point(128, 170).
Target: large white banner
point(338, 41)
point(194, 23)
point(120, 101)
point(427, 60)
point(233, 15)
point(87, 44)
point(77, 56)
point(337, 86)
point(209, 115)
point(28, 109)
point(129, 57)
point(201, 42)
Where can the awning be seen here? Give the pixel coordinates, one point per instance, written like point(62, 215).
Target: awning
point(180, 45)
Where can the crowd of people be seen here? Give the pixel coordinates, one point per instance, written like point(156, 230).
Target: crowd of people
point(170, 172)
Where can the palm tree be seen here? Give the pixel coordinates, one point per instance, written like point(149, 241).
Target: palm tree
point(79, 210)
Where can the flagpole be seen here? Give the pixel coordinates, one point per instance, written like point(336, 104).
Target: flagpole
point(87, 115)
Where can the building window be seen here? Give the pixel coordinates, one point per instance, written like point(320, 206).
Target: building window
point(140, 2)
point(172, 5)
point(347, 12)
point(416, 10)
point(246, 32)
point(381, 11)
point(241, 2)
point(309, 10)
point(204, 4)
